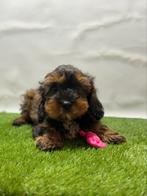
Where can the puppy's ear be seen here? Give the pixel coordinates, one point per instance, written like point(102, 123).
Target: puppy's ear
point(53, 77)
point(43, 90)
point(96, 109)
point(41, 111)
point(45, 84)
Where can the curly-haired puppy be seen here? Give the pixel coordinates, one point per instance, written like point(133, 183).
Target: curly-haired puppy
point(64, 103)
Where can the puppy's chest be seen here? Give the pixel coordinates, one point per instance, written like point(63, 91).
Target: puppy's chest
point(68, 129)
point(71, 129)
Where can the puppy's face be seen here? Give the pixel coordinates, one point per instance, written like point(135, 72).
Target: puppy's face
point(66, 94)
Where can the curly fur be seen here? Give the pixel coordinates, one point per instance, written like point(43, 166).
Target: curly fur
point(65, 102)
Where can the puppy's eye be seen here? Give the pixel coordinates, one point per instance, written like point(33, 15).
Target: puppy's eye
point(53, 88)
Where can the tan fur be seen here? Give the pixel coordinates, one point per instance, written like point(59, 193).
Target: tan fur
point(83, 80)
point(31, 102)
point(55, 111)
point(29, 108)
point(79, 108)
point(53, 77)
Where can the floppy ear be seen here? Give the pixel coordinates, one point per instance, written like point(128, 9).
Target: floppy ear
point(44, 88)
point(45, 84)
point(41, 111)
point(96, 109)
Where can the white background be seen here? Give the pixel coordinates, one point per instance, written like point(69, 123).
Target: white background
point(102, 37)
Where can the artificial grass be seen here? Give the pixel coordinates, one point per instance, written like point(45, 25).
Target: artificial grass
point(118, 170)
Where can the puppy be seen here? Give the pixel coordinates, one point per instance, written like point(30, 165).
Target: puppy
point(64, 103)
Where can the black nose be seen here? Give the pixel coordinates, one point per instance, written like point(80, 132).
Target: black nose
point(66, 104)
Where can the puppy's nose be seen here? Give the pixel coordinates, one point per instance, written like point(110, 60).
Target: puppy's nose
point(66, 104)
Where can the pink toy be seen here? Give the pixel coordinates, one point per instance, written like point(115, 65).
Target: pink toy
point(92, 139)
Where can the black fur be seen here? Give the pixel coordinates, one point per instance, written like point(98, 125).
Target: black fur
point(95, 107)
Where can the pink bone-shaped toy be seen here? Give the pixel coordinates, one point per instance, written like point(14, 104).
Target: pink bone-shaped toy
point(92, 139)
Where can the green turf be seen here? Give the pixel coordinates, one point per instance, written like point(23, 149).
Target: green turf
point(118, 170)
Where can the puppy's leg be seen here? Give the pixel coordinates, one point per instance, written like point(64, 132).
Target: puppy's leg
point(20, 121)
point(29, 108)
point(108, 135)
point(47, 138)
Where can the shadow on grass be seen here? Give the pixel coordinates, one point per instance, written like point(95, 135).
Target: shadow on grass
point(75, 144)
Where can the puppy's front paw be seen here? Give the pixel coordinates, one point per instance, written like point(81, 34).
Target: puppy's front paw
point(19, 121)
point(114, 138)
point(46, 143)
point(118, 139)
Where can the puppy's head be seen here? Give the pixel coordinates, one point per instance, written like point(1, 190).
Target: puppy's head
point(68, 94)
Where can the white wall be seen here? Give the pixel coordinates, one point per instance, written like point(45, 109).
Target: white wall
point(102, 37)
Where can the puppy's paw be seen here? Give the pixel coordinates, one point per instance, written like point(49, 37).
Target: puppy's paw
point(45, 143)
point(19, 121)
point(114, 138)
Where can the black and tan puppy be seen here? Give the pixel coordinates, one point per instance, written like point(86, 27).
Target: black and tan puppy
point(64, 103)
